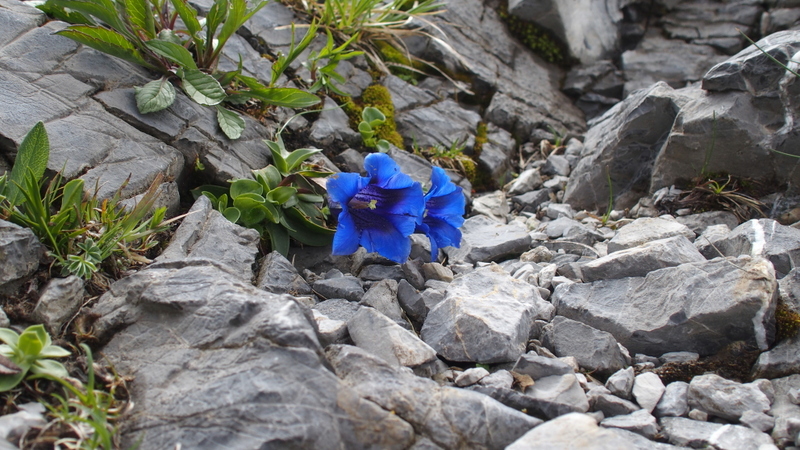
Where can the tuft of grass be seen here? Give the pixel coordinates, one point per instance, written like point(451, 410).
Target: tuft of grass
point(541, 42)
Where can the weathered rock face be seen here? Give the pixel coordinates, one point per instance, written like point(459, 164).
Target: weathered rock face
point(589, 27)
point(496, 309)
point(665, 311)
point(20, 252)
point(622, 145)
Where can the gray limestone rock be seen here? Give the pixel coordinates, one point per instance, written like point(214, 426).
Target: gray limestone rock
point(527, 181)
point(346, 287)
point(485, 317)
point(557, 395)
point(647, 229)
point(330, 331)
point(526, 90)
point(657, 59)
point(621, 383)
point(699, 222)
point(675, 400)
point(626, 139)
point(759, 237)
point(724, 398)
point(595, 350)
point(405, 95)
point(789, 290)
point(412, 303)
point(442, 123)
point(662, 312)
point(471, 376)
point(20, 252)
point(58, 302)
point(538, 367)
point(571, 431)
point(16, 425)
point(751, 70)
point(556, 165)
point(381, 336)
point(641, 260)
point(784, 410)
point(610, 405)
point(206, 235)
point(640, 422)
point(780, 361)
point(333, 124)
point(589, 28)
point(484, 239)
point(647, 390)
point(448, 417)
point(691, 433)
point(188, 332)
point(383, 297)
point(758, 421)
point(279, 276)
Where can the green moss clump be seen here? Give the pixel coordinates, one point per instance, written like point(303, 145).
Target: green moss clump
point(540, 41)
point(392, 55)
point(481, 137)
point(787, 322)
point(379, 97)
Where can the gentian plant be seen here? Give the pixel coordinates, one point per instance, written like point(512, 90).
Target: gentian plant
point(382, 210)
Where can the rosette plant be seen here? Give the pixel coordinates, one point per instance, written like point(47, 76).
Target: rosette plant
point(379, 211)
point(30, 352)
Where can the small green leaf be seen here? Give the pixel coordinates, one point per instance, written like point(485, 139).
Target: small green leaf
point(231, 123)
point(311, 198)
point(244, 186)
point(154, 96)
point(72, 194)
point(54, 351)
point(32, 156)
point(202, 88)
point(32, 340)
point(9, 336)
point(279, 238)
point(49, 367)
point(188, 16)
point(232, 214)
point(8, 382)
point(173, 52)
point(278, 156)
point(139, 14)
point(269, 177)
point(281, 194)
point(252, 212)
point(288, 97)
point(373, 116)
point(298, 156)
point(101, 9)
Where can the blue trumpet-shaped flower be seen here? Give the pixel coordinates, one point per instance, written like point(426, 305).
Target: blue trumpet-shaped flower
point(444, 213)
point(379, 211)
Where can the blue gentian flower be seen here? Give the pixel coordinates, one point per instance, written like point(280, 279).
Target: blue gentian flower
point(379, 211)
point(444, 213)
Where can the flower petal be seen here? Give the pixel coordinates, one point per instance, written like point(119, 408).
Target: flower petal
point(344, 186)
point(442, 233)
point(347, 236)
point(385, 173)
point(388, 242)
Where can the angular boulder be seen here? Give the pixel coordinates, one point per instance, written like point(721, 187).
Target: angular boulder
point(699, 307)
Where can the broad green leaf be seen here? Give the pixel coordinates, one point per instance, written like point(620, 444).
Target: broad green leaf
point(59, 13)
point(298, 156)
point(32, 340)
point(141, 16)
point(209, 190)
point(279, 238)
point(231, 123)
point(311, 198)
point(252, 196)
point(216, 15)
point(32, 156)
point(288, 97)
point(54, 351)
point(167, 35)
point(154, 96)
point(107, 41)
point(202, 88)
point(232, 214)
point(9, 336)
point(189, 17)
point(105, 10)
point(8, 382)
point(252, 212)
point(281, 194)
point(278, 156)
point(307, 231)
point(49, 367)
point(244, 186)
point(270, 176)
point(72, 194)
point(173, 52)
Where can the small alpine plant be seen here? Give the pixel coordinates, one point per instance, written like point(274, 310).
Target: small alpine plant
point(382, 210)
